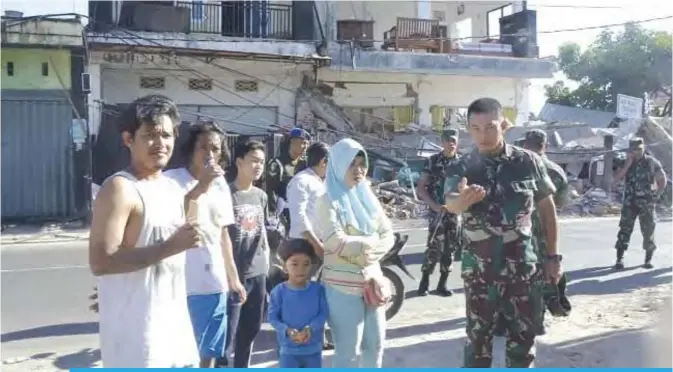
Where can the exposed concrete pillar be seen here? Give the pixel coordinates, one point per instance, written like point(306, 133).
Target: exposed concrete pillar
point(423, 105)
point(522, 100)
point(95, 107)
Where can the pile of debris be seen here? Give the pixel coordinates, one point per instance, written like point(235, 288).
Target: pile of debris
point(594, 202)
point(398, 201)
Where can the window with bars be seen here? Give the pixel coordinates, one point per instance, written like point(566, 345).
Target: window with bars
point(493, 20)
point(200, 84)
point(246, 86)
point(152, 82)
point(198, 11)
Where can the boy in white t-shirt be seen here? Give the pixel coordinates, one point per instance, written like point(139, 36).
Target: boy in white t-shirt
point(210, 269)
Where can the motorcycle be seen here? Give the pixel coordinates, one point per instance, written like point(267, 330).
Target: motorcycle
point(388, 261)
point(391, 259)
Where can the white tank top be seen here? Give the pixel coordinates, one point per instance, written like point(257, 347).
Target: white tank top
point(144, 319)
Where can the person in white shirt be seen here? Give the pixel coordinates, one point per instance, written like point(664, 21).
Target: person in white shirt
point(210, 269)
point(303, 191)
point(305, 188)
point(136, 248)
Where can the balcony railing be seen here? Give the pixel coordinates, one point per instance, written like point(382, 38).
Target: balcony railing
point(250, 19)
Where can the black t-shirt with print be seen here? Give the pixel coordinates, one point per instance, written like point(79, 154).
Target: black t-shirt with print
point(248, 233)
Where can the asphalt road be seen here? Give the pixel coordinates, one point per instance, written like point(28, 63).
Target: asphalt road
point(44, 308)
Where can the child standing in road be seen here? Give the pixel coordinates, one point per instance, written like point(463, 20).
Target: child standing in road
point(298, 309)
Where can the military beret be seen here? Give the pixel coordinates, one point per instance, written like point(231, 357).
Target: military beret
point(450, 134)
point(536, 136)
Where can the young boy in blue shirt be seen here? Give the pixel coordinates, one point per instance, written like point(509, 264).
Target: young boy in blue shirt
point(298, 309)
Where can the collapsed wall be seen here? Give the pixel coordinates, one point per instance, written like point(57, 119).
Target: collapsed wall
point(658, 142)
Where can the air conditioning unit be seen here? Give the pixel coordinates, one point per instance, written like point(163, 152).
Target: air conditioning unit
point(86, 83)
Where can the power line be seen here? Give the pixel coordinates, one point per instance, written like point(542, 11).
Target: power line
point(270, 125)
point(146, 38)
point(238, 72)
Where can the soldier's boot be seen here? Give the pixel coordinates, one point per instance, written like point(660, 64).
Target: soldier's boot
point(424, 284)
point(441, 285)
point(648, 259)
point(619, 265)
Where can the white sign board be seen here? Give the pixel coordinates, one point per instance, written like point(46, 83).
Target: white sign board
point(629, 107)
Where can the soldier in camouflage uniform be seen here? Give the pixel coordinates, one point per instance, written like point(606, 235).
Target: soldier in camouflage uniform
point(496, 187)
point(444, 234)
point(280, 171)
point(536, 141)
point(642, 172)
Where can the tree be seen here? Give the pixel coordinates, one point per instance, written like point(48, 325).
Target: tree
point(633, 61)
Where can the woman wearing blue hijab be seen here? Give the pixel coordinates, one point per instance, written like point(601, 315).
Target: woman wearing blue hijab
point(355, 233)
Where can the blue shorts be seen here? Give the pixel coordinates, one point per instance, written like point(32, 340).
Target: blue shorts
point(209, 320)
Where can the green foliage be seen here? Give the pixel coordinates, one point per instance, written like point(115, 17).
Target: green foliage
point(632, 62)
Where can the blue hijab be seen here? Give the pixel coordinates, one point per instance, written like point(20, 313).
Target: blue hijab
point(356, 206)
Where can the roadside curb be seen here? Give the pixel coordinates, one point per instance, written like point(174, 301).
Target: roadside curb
point(18, 239)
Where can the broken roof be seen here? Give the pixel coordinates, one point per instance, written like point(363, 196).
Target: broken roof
point(552, 112)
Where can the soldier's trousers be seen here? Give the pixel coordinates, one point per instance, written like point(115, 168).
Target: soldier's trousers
point(520, 306)
point(644, 211)
point(446, 241)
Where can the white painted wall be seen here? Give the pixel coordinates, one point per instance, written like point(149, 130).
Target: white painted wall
point(385, 13)
point(120, 83)
point(366, 89)
point(474, 10)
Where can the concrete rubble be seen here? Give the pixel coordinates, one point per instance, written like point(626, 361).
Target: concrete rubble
point(593, 202)
point(398, 201)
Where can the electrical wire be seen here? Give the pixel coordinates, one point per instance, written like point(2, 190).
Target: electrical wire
point(270, 125)
point(148, 38)
point(257, 78)
point(234, 71)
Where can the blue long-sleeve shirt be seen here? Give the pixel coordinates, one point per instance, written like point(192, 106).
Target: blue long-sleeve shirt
point(297, 308)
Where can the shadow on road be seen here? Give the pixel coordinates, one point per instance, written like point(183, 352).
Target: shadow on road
point(85, 358)
point(623, 349)
point(69, 329)
point(623, 284)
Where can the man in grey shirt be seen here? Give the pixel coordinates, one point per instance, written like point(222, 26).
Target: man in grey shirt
point(251, 254)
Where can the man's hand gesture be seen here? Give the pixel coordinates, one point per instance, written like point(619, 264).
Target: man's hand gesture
point(467, 196)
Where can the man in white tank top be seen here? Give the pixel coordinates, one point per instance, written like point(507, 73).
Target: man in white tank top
point(136, 249)
point(211, 272)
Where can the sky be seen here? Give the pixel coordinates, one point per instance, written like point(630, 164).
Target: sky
point(551, 15)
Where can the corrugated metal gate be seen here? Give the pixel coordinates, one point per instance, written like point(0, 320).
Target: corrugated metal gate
point(37, 169)
point(243, 120)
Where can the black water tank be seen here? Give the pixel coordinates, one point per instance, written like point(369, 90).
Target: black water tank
point(523, 23)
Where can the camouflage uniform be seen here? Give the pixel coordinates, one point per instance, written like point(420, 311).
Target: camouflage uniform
point(500, 266)
point(444, 234)
point(560, 181)
point(280, 171)
point(639, 201)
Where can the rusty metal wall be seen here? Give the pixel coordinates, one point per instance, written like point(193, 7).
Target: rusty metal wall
point(37, 155)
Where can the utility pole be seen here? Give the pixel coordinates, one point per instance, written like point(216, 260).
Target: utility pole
point(608, 159)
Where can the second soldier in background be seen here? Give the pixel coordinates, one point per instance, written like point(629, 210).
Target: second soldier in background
point(281, 170)
point(444, 232)
point(536, 141)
